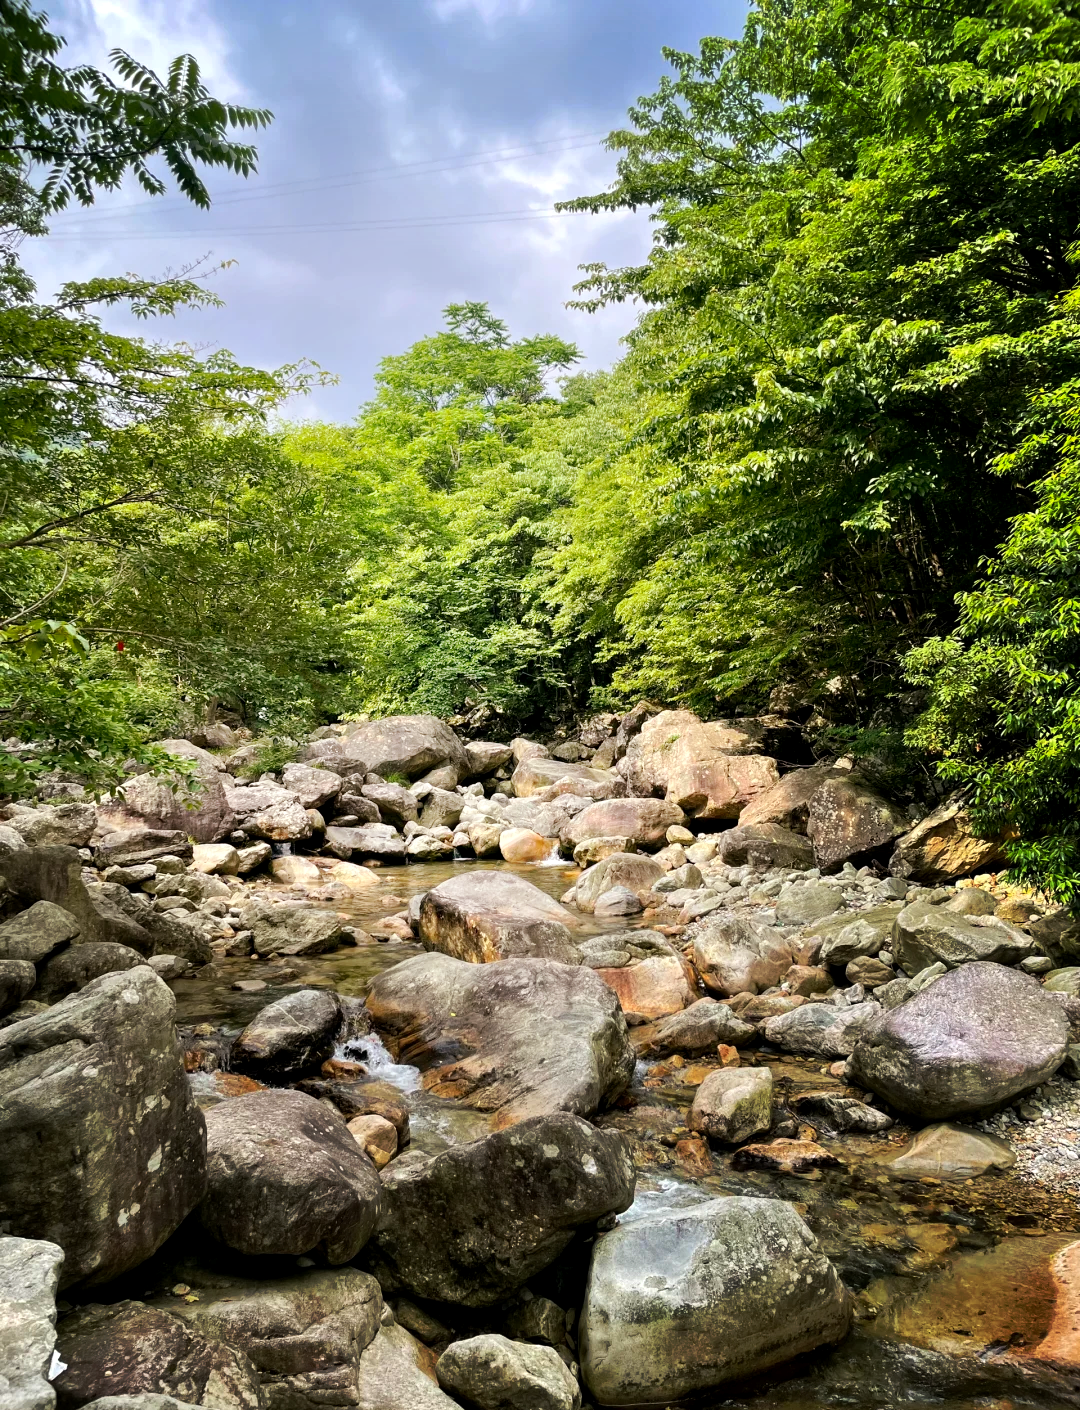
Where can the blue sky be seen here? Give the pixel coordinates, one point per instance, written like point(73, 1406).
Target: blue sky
point(436, 118)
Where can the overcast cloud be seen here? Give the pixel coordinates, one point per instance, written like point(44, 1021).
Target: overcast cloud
point(419, 123)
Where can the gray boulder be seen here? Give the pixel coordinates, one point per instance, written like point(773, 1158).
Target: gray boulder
point(733, 1104)
point(975, 1038)
point(473, 1224)
point(848, 822)
point(289, 1037)
point(290, 929)
point(802, 902)
point(36, 933)
point(644, 820)
point(95, 1085)
point(268, 811)
point(54, 874)
point(924, 935)
point(284, 1176)
point(832, 1111)
point(878, 919)
point(493, 1373)
point(314, 787)
point(631, 870)
point(74, 968)
point(68, 825)
point(396, 805)
point(17, 978)
point(765, 845)
point(485, 757)
point(441, 808)
point(520, 1038)
point(822, 1030)
point(368, 840)
point(494, 915)
point(734, 955)
point(408, 744)
point(681, 1301)
point(29, 1273)
point(198, 809)
point(397, 1371)
point(699, 1028)
point(853, 941)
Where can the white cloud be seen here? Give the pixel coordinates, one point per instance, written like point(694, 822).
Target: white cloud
point(490, 12)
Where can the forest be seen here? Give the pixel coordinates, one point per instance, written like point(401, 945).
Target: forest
point(835, 475)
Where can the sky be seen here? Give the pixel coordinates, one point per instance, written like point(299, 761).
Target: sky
point(415, 147)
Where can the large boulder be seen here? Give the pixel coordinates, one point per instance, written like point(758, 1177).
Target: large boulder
point(29, 1273)
point(536, 775)
point(396, 805)
point(493, 915)
point(977, 1037)
point(787, 802)
point(765, 845)
point(735, 955)
point(284, 1176)
point(74, 968)
point(197, 808)
point(924, 935)
point(127, 1348)
point(397, 1371)
point(709, 770)
point(520, 1038)
point(54, 874)
point(67, 825)
point(408, 744)
point(268, 811)
point(733, 1104)
point(485, 757)
point(644, 821)
point(944, 847)
point(680, 1301)
point(653, 988)
point(104, 1147)
point(822, 1030)
point(949, 1152)
point(379, 840)
point(849, 822)
point(282, 928)
point(38, 932)
point(304, 1335)
point(313, 787)
point(494, 1373)
point(845, 937)
point(472, 1224)
point(636, 872)
point(289, 1037)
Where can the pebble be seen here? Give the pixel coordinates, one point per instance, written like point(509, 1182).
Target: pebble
point(1046, 1142)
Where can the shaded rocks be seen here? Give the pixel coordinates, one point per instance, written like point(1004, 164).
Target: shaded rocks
point(784, 1157)
point(644, 820)
point(489, 915)
point(35, 933)
point(29, 1273)
point(17, 978)
point(74, 968)
point(289, 1037)
point(104, 1148)
point(127, 1348)
point(733, 1104)
point(822, 1030)
point(681, 1301)
point(411, 745)
point(925, 934)
point(975, 1038)
point(519, 1038)
point(944, 847)
point(493, 1373)
point(285, 929)
point(476, 1222)
point(832, 1111)
point(284, 1176)
point(709, 770)
point(950, 1152)
point(734, 955)
point(849, 821)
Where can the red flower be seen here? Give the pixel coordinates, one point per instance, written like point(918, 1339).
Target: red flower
point(119, 646)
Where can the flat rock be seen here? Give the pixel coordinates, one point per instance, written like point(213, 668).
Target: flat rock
point(802, 902)
point(482, 916)
point(378, 840)
point(784, 1157)
point(285, 929)
point(494, 1373)
point(950, 1152)
point(29, 1274)
point(67, 825)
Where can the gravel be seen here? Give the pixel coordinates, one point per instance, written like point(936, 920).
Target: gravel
point(1046, 1138)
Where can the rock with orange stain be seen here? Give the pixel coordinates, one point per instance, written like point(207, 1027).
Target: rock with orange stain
point(343, 1070)
point(521, 844)
point(655, 988)
point(729, 1056)
point(235, 1084)
point(786, 1157)
point(1062, 1342)
point(694, 1156)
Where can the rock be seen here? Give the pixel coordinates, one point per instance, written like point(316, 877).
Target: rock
point(519, 1038)
point(698, 1029)
point(482, 916)
point(979, 1036)
point(290, 1037)
point(304, 1334)
point(822, 1030)
point(74, 968)
point(547, 818)
point(709, 770)
point(287, 929)
point(127, 1348)
point(538, 1320)
point(831, 1111)
point(441, 808)
point(493, 1373)
point(396, 804)
point(213, 735)
point(519, 844)
point(655, 988)
point(397, 1371)
point(599, 849)
point(688, 1299)
point(54, 874)
point(535, 775)
point(376, 1137)
point(472, 1224)
point(1017, 910)
point(29, 1273)
point(410, 745)
point(314, 787)
point(17, 979)
point(644, 820)
point(944, 847)
point(618, 901)
point(69, 825)
point(925, 934)
point(36, 933)
point(356, 878)
point(971, 901)
point(484, 757)
point(200, 810)
point(295, 871)
point(733, 1104)
point(131, 843)
point(251, 858)
point(369, 840)
point(802, 902)
point(286, 1177)
point(765, 845)
point(425, 848)
point(785, 1157)
point(636, 873)
point(528, 749)
point(169, 967)
point(355, 1099)
point(148, 1401)
point(686, 876)
point(950, 1152)
point(738, 956)
point(484, 838)
point(216, 858)
point(855, 940)
point(848, 822)
point(787, 802)
point(880, 918)
point(10, 841)
point(868, 971)
point(1063, 981)
point(95, 1085)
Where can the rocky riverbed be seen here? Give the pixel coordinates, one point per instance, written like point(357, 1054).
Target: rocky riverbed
point(658, 1073)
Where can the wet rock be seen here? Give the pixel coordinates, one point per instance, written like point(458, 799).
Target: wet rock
point(943, 847)
point(286, 1177)
point(733, 1104)
point(698, 1029)
point(73, 969)
point(519, 1038)
point(29, 1272)
point(314, 787)
point(822, 1030)
point(284, 929)
point(201, 811)
point(682, 1301)
point(832, 1111)
point(95, 1085)
point(950, 1152)
point(849, 821)
point(289, 1037)
point(304, 1335)
point(376, 1137)
point(493, 1373)
point(17, 979)
point(474, 1223)
point(710, 770)
point(765, 845)
point(644, 820)
point(36, 933)
point(979, 1036)
point(536, 775)
point(734, 955)
point(354, 1099)
point(411, 745)
point(488, 915)
point(653, 988)
point(925, 934)
point(631, 870)
point(784, 1157)
point(127, 1348)
point(69, 825)
point(803, 902)
point(398, 1371)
